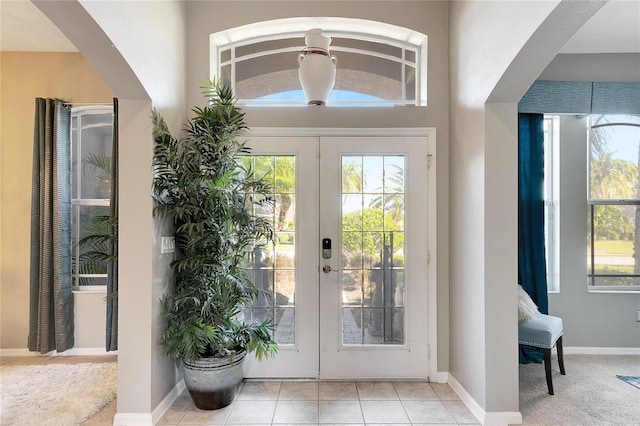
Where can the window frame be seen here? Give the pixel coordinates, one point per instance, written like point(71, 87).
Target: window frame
point(356, 29)
point(591, 204)
point(552, 200)
point(76, 197)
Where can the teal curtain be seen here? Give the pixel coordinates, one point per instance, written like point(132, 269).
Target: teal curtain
point(51, 298)
point(532, 274)
point(112, 266)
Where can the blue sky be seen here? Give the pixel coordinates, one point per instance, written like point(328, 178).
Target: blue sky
point(335, 95)
point(623, 141)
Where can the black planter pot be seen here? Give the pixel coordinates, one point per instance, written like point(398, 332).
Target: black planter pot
point(212, 382)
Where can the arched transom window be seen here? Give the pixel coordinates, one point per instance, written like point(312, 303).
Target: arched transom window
point(377, 63)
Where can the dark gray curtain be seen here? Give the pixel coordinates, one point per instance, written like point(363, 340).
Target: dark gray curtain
point(112, 266)
point(51, 299)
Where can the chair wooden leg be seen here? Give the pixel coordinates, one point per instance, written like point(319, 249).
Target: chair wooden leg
point(560, 356)
point(547, 369)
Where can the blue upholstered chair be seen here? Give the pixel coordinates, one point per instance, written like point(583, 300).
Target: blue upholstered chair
point(544, 331)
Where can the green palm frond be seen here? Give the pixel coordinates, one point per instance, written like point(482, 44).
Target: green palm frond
point(200, 183)
point(98, 235)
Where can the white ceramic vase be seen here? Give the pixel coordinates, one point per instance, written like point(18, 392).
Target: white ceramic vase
point(317, 70)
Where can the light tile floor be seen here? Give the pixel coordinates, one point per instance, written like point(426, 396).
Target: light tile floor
point(328, 402)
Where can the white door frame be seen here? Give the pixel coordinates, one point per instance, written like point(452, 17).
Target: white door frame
point(431, 162)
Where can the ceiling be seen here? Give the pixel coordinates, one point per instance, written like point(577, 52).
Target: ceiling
point(23, 27)
point(614, 29)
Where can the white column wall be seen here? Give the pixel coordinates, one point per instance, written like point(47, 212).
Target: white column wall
point(135, 293)
point(501, 257)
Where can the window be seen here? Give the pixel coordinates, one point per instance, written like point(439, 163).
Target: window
point(551, 129)
point(613, 203)
point(378, 64)
point(91, 142)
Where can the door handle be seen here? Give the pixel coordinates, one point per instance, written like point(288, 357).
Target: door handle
point(327, 268)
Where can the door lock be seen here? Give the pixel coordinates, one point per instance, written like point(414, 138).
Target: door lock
point(326, 248)
point(327, 268)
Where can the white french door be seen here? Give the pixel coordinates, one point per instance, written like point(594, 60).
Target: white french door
point(288, 271)
point(373, 307)
point(346, 282)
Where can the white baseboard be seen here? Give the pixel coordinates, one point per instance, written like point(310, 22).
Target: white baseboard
point(465, 397)
point(133, 419)
point(168, 401)
point(577, 350)
point(485, 418)
point(503, 419)
point(70, 352)
point(150, 419)
point(440, 377)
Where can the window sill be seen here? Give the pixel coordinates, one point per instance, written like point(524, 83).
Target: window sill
point(91, 289)
point(614, 290)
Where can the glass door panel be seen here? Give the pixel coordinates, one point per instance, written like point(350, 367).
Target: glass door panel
point(373, 249)
point(272, 266)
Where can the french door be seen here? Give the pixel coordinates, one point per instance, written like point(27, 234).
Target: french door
point(346, 281)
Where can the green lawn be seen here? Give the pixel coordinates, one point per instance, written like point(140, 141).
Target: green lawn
point(614, 269)
point(614, 248)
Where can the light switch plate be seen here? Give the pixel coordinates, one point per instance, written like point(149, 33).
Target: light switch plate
point(168, 245)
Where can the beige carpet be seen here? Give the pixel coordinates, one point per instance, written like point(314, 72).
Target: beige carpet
point(589, 395)
point(55, 393)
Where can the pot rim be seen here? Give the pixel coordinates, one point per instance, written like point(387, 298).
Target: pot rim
point(213, 361)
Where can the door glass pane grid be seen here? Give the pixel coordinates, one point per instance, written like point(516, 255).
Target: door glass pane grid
point(372, 279)
point(272, 266)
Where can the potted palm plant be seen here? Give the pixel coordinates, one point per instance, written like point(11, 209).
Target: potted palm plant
point(214, 201)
